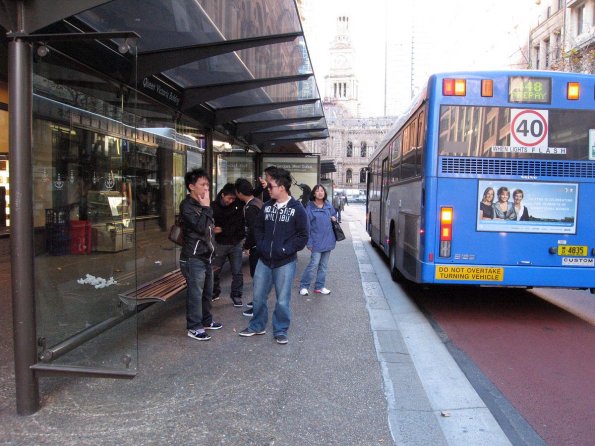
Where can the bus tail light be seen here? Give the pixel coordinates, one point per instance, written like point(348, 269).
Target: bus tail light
point(487, 88)
point(445, 231)
point(573, 91)
point(454, 87)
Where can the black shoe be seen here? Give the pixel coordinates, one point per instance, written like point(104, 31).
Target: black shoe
point(281, 339)
point(249, 312)
point(214, 298)
point(201, 336)
point(214, 326)
point(237, 301)
point(249, 305)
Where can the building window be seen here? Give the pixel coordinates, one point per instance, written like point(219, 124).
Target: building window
point(536, 49)
point(349, 149)
point(349, 176)
point(364, 149)
point(580, 14)
point(560, 4)
point(362, 175)
point(547, 52)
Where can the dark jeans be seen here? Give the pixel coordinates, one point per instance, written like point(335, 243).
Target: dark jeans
point(338, 215)
point(199, 279)
point(252, 260)
point(234, 254)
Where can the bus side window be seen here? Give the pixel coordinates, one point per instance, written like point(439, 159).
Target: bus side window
point(408, 164)
point(421, 123)
point(395, 162)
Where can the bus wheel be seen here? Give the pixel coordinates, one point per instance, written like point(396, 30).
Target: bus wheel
point(392, 260)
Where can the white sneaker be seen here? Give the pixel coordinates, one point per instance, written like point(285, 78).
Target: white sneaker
point(304, 292)
point(323, 291)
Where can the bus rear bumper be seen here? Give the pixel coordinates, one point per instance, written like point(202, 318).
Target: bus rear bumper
point(514, 276)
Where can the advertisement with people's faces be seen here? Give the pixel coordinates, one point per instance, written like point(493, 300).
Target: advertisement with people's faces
point(522, 206)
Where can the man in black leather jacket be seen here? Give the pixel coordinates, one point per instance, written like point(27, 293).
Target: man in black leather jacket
point(196, 255)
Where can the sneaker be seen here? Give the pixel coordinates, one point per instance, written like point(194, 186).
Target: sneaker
point(304, 292)
point(201, 336)
point(249, 304)
point(214, 326)
point(249, 312)
point(214, 298)
point(237, 301)
point(249, 332)
point(281, 339)
point(323, 291)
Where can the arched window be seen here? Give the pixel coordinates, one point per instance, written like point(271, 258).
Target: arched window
point(349, 149)
point(362, 175)
point(349, 176)
point(364, 148)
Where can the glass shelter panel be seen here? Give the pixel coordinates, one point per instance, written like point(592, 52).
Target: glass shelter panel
point(92, 179)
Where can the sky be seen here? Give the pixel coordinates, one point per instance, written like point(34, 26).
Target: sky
point(448, 35)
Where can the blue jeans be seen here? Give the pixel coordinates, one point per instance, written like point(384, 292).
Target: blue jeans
point(199, 279)
point(234, 254)
point(338, 215)
point(318, 263)
point(264, 279)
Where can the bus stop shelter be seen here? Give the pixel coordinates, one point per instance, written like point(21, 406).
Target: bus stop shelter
point(238, 70)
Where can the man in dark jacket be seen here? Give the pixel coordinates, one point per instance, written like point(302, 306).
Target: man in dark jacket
point(252, 207)
point(195, 258)
point(228, 212)
point(281, 230)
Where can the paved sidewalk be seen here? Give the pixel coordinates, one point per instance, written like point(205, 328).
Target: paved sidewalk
point(324, 387)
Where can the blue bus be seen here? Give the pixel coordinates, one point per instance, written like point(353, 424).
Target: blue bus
point(489, 179)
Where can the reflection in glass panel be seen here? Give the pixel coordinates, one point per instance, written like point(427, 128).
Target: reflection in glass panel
point(231, 166)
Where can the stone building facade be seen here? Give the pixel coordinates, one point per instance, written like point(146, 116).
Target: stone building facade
point(353, 139)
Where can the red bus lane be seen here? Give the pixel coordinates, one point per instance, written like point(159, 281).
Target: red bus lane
point(540, 357)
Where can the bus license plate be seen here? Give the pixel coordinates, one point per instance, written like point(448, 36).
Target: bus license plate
point(572, 250)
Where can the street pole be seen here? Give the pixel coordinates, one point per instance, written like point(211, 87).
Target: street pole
point(20, 93)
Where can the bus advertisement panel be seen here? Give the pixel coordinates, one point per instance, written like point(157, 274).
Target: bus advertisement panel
point(521, 206)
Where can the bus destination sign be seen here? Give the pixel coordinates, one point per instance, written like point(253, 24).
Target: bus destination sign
point(529, 90)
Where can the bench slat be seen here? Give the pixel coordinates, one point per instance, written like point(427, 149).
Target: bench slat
point(160, 289)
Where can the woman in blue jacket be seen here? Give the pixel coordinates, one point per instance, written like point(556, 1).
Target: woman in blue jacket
point(321, 240)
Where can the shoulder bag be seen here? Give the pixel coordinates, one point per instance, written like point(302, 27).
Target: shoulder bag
point(176, 233)
point(339, 234)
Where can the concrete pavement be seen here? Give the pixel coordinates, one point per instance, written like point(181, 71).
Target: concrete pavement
point(362, 367)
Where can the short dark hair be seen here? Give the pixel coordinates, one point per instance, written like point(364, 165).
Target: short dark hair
point(314, 189)
point(228, 189)
point(270, 169)
point(283, 178)
point(244, 187)
point(192, 177)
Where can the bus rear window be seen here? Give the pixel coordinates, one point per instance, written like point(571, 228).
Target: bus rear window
point(496, 132)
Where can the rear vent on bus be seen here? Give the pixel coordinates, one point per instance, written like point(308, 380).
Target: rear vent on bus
point(513, 167)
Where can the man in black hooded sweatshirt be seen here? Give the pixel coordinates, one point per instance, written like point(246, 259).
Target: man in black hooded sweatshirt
point(228, 213)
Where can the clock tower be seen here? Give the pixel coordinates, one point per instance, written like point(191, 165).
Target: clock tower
point(341, 82)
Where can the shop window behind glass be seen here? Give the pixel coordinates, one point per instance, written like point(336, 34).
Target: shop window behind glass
point(141, 168)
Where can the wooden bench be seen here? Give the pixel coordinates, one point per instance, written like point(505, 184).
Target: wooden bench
point(157, 290)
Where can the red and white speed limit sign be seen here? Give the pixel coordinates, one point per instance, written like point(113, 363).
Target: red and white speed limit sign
point(529, 128)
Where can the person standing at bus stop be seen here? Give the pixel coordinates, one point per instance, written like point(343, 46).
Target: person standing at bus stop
point(338, 204)
point(252, 207)
point(321, 240)
point(228, 212)
point(196, 254)
point(281, 230)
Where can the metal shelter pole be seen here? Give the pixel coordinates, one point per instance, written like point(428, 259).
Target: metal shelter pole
point(209, 158)
point(20, 93)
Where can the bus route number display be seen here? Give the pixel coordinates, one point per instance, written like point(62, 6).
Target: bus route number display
point(530, 90)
